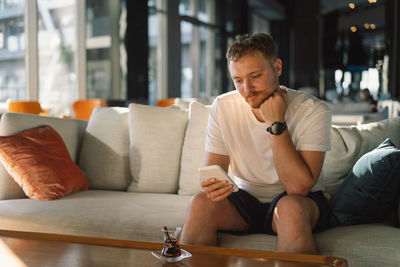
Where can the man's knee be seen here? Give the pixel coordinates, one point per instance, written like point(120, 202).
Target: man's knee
point(294, 209)
point(200, 203)
point(200, 200)
point(291, 205)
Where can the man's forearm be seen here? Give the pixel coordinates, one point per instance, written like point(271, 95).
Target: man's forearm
point(293, 172)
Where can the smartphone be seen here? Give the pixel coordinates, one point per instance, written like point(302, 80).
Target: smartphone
point(215, 171)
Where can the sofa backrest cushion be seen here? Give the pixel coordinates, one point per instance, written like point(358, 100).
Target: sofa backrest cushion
point(105, 150)
point(370, 190)
point(156, 139)
point(193, 151)
point(71, 131)
point(349, 143)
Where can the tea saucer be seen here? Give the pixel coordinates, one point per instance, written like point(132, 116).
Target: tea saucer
point(184, 255)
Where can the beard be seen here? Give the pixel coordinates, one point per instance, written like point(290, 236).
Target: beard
point(255, 99)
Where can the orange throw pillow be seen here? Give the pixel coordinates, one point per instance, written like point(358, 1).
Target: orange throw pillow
point(39, 162)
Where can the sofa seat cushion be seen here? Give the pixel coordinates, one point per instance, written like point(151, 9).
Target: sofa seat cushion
point(367, 245)
point(97, 213)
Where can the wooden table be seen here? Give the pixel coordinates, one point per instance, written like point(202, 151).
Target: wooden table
point(40, 249)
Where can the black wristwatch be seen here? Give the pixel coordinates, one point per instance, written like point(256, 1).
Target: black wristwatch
point(277, 128)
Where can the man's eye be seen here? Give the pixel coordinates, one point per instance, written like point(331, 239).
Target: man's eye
point(237, 81)
point(256, 76)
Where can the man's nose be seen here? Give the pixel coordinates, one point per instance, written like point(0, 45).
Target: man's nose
point(247, 87)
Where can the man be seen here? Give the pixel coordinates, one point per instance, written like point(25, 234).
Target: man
point(273, 139)
point(365, 95)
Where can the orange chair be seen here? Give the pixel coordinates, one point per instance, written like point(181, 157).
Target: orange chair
point(32, 107)
point(84, 108)
point(166, 102)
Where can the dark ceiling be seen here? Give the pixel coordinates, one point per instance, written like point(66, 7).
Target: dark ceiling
point(363, 13)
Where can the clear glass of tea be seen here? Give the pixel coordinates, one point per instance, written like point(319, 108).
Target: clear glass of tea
point(171, 242)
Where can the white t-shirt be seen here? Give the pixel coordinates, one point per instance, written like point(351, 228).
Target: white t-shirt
point(233, 130)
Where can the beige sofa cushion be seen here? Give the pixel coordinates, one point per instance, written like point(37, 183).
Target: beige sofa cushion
point(71, 131)
point(361, 245)
point(156, 139)
point(105, 150)
point(349, 143)
point(97, 213)
point(193, 151)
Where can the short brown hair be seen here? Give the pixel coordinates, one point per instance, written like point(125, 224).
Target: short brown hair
point(245, 44)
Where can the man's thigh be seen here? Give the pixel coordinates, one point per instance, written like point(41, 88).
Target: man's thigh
point(230, 218)
point(251, 210)
point(222, 214)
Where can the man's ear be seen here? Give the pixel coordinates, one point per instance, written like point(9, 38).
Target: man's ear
point(278, 66)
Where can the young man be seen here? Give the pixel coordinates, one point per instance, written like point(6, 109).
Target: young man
point(273, 139)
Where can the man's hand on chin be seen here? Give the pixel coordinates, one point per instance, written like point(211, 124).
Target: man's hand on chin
point(274, 107)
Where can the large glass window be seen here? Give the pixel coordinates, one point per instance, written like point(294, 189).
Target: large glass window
point(153, 32)
point(60, 33)
point(57, 46)
point(105, 50)
point(198, 48)
point(12, 49)
point(186, 60)
point(98, 49)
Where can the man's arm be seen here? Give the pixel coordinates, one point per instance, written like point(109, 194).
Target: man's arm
point(217, 159)
point(298, 170)
point(217, 191)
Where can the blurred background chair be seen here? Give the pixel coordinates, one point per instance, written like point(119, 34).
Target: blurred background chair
point(166, 102)
point(83, 108)
point(32, 107)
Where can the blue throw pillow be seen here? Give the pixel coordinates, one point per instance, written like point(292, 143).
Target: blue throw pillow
point(371, 189)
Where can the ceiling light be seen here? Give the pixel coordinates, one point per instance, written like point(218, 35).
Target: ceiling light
point(366, 26)
point(353, 28)
point(352, 5)
point(373, 26)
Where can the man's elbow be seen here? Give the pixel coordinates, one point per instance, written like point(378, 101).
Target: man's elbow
point(302, 188)
point(298, 191)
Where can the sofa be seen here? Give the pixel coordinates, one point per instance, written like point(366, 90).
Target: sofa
point(141, 164)
point(350, 113)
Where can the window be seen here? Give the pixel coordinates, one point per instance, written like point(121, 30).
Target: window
point(67, 59)
point(153, 32)
point(198, 48)
point(56, 48)
point(105, 51)
point(12, 49)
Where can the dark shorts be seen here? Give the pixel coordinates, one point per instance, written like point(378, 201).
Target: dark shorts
point(259, 215)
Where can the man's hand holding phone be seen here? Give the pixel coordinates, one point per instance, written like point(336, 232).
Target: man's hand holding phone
point(216, 184)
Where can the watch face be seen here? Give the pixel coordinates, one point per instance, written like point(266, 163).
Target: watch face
point(277, 128)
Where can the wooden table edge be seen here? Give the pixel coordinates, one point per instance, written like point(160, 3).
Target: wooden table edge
point(121, 243)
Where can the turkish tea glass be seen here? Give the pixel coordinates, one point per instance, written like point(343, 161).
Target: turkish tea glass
point(171, 242)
